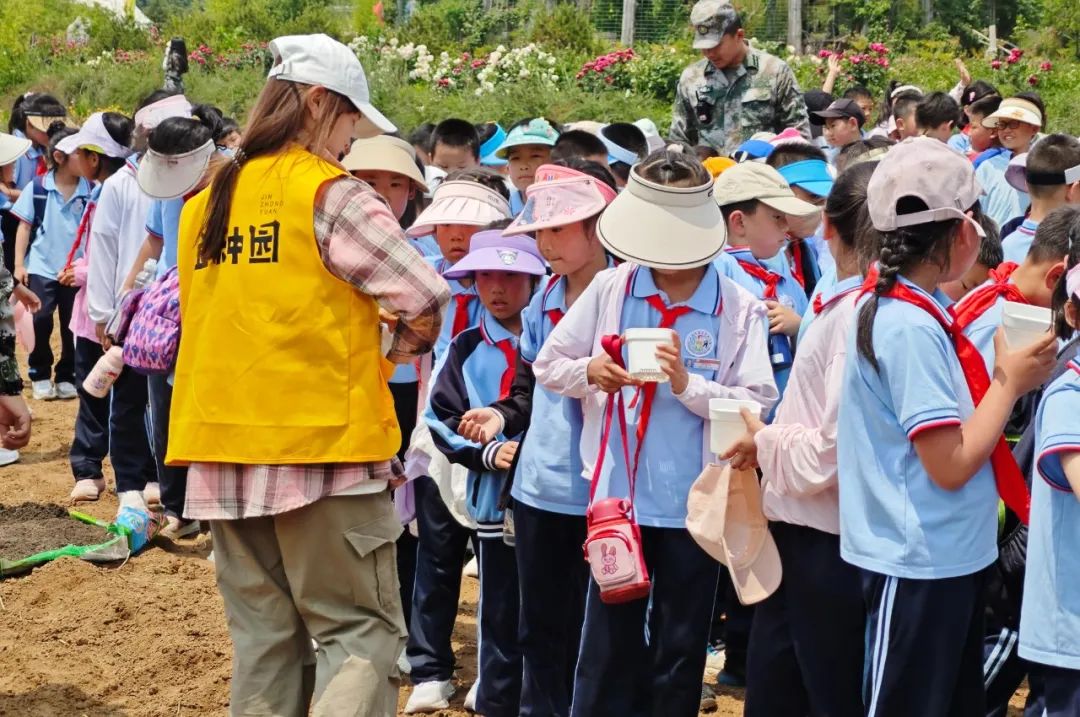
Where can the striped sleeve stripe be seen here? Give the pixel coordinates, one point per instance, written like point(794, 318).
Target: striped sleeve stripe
point(20, 217)
point(1054, 450)
point(153, 233)
point(933, 423)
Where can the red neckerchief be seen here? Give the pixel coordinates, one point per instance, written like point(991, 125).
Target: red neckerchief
point(971, 307)
point(820, 305)
point(461, 313)
point(1007, 476)
point(556, 314)
point(795, 245)
point(771, 278)
point(509, 353)
point(42, 168)
point(82, 234)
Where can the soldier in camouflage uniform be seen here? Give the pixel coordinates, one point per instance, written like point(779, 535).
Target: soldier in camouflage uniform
point(735, 90)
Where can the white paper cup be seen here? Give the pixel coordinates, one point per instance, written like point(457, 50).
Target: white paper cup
point(641, 347)
point(1024, 324)
point(726, 424)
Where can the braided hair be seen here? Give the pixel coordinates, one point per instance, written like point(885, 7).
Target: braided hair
point(901, 251)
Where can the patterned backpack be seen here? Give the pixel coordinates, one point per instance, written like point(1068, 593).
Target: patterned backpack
point(153, 338)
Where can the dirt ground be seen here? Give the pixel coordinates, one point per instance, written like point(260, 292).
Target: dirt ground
point(146, 638)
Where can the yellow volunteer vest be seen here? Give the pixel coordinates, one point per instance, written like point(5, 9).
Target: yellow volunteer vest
point(280, 361)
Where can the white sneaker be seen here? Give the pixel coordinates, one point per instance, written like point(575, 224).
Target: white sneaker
point(470, 699)
point(8, 457)
point(472, 569)
point(66, 391)
point(714, 659)
point(430, 697)
point(87, 490)
point(152, 494)
point(44, 390)
point(403, 664)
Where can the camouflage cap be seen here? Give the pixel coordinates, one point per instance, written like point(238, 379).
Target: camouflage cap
point(711, 20)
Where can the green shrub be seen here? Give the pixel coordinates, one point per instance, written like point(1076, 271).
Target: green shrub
point(564, 26)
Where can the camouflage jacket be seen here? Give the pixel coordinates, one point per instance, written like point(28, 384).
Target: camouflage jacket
point(763, 96)
point(10, 380)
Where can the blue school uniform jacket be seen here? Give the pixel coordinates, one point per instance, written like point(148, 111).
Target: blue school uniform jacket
point(470, 376)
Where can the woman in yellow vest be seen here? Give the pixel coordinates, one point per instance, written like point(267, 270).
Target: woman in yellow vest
point(281, 407)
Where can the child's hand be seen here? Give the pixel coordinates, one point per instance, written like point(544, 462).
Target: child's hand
point(66, 277)
point(965, 76)
point(480, 425)
point(505, 455)
point(22, 275)
point(743, 453)
point(834, 65)
point(670, 358)
point(782, 320)
point(27, 298)
point(14, 422)
point(1025, 369)
point(608, 376)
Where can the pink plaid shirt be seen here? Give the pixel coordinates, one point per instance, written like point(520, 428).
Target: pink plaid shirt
point(361, 243)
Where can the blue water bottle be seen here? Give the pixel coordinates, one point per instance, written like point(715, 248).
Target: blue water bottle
point(779, 351)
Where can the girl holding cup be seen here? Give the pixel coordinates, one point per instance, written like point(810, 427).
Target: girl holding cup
point(717, 350)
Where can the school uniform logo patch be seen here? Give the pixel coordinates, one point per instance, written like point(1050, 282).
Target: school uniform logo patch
point(698, 343)
point(508, 257)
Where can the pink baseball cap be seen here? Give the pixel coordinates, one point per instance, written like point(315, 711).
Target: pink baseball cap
point(929, 170)
point(492, 251)
point(560, 196)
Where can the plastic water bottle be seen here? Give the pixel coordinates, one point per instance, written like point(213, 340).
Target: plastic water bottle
point(146, 275)
point(105, 372)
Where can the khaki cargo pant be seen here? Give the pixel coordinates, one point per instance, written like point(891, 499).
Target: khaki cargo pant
point(325, 571)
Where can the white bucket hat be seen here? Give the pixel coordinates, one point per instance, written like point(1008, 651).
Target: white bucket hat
point(325, 62)
point(12, 147)
point(168, 176)
point(461, 202)
point(663, 227)
point(93, 136)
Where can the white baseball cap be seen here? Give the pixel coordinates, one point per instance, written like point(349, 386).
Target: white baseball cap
point(93, 136)
point(928, 170)
point(320, 60)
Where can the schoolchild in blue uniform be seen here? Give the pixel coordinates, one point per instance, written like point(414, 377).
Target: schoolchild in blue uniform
point(979, 314)
point(549, 494)
point(31, 116)
point(462, 205)
point(647, 656)
point(42, 246)
point(1050, 616)
point(757, 203)
point(478, 369)
point(918, 504)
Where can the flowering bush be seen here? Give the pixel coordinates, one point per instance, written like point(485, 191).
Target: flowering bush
point(1016, 74)
point(869, 68)
point(654, 71)
point(478, 74)
point(607, 71)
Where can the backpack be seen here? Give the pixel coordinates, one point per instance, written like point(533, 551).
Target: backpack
point(153, 338)
point(41, 197)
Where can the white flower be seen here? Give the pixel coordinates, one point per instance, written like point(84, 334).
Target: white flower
point(478, 91)
point(551, 60)
point(500, 49)
point(393, 42)
point(523, 74)
point(444, 56)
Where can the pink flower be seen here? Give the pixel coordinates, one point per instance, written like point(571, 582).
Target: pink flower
point(1033, 80)
point(609, 79)
point(477, 64)
point(855, 59)
point(824, 54)
point(444, 82)
point(884, 62)
point(996, 64)
point(1046, 66)
point(1012, 59)
point(878, 48)
point(457, 70)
